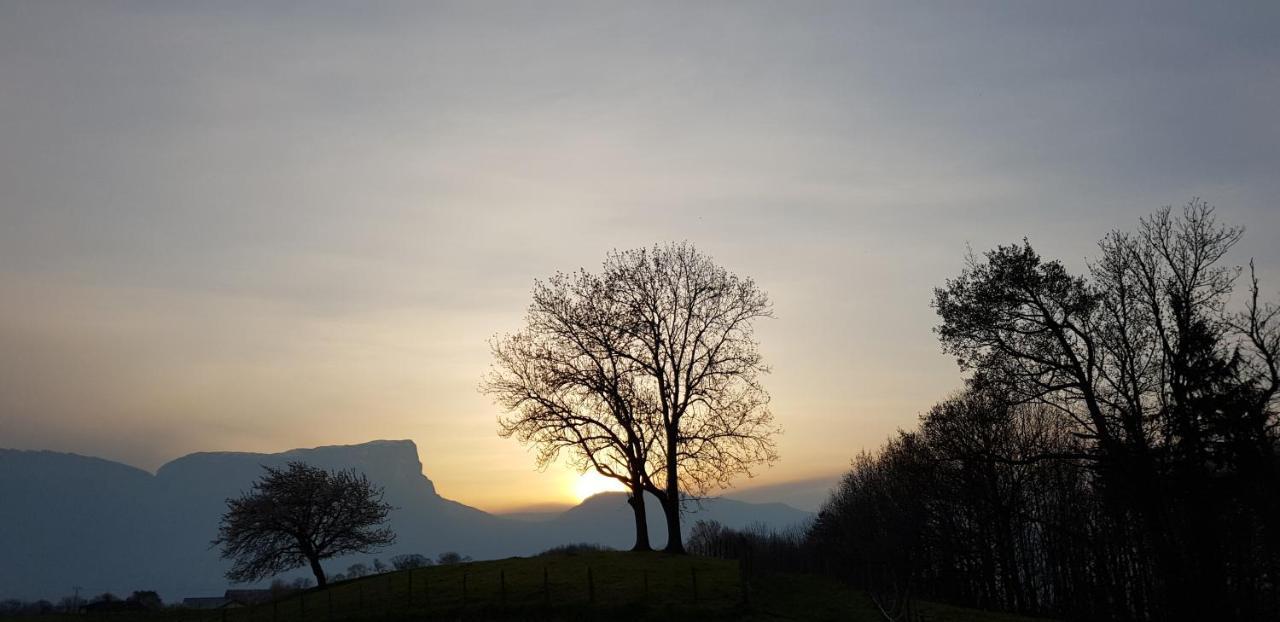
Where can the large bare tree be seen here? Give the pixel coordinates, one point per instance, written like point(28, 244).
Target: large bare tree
point(571, 391)
point(691, 324)
point(647, 372)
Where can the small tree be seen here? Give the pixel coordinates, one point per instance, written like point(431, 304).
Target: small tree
point(451, 557)
point(409, 561)
point(299, 515)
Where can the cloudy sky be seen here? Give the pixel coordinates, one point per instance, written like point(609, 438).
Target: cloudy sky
point(258, 226)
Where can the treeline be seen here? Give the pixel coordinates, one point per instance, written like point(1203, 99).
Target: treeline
point(141, 600)
point(1113, 452)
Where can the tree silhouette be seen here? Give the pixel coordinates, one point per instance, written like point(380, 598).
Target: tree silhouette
point(647, 372)
point(572, 389)
point(690, 324)
point(1173, 394)
point(410, 560)
point(299, 515)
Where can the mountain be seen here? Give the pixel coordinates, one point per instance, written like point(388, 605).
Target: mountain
point(607, 519)
point(805, 494)
point(65, 519)
point(68, 520)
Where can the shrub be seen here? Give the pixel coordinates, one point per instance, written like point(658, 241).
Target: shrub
point(410, 560)
point(575, 549)
point(451, 557)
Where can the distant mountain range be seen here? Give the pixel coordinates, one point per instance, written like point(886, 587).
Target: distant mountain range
point(69, 520)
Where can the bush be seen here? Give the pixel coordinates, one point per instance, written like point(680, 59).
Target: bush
point(281, 588)
point(148, 599)
point(575, 549)
point(764, 549)
point(451, 557)
point(409, 561)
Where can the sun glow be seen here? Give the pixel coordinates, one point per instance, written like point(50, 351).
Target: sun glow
point(593, 483)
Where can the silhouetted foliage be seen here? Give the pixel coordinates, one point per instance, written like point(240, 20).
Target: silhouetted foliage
point(148, 599)
point(298, 516)
point(572, 389)
point(575, 549)
point(1113, 455)
point(410, 560)
point(647, 372)
point(281, 588)
point(451, 557)
point(761, 548)
point(69, 604)
point(16, 607)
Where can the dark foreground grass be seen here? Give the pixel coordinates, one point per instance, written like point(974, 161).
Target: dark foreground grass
point(612, 586)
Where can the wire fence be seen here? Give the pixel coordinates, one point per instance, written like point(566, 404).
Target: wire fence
point(450, 591)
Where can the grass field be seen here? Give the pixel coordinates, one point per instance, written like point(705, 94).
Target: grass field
point(611, 586)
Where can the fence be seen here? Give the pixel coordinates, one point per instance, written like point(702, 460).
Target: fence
point(522, 588)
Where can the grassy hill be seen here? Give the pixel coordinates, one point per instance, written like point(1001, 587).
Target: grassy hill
point(613, 586)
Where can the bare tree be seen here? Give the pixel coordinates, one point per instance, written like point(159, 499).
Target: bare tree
point(690, 327)
point(647, 372)
point(299, 515)
point(410, 560)
point(572, 391)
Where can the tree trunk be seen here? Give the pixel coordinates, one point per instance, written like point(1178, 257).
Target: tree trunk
point(318, 571)
point(671, 500)
point(636, 500)
point(675, 543)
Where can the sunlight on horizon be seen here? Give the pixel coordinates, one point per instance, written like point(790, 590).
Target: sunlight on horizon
point(592, 483)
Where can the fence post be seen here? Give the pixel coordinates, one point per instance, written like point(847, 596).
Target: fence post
point(591, 587)
point(224, 613)
point(693, 571)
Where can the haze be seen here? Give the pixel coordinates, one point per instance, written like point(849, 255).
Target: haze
point(234, 226)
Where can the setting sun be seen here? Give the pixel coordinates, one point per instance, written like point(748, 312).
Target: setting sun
point(592, 483)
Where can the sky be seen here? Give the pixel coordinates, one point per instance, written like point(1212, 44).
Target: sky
point(259, 226)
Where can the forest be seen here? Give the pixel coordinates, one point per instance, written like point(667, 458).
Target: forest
point(1111, 455)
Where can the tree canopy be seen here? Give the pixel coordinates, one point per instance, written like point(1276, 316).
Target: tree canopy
point(298, 516)
point(647, 372)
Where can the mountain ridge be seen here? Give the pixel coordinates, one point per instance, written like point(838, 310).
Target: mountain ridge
point(130, 529)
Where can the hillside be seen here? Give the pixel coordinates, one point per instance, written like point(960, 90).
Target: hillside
point(127, 529)
point(592, 586)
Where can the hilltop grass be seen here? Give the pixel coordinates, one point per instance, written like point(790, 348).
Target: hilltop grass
point(613, 586)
